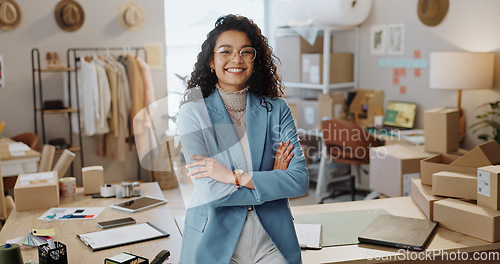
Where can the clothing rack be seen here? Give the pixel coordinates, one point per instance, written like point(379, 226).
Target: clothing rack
point(72, 56)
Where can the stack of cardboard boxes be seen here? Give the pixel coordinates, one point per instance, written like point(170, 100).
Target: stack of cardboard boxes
point(462, 192)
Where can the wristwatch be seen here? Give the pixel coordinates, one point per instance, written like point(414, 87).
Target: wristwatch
point(237, 174)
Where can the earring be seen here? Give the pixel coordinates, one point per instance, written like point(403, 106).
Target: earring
point(212, 70)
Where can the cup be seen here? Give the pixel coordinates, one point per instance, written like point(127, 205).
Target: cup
point(68, 186)
point(127, 189)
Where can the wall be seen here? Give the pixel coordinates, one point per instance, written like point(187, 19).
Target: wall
point(468, 26)
point(38, 29)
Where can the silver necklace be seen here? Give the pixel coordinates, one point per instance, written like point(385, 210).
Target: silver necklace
point(236, 121)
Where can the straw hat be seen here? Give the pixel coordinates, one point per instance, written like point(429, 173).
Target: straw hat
point(131, 16)
point(432, 12)
point(10, 14)
point(69, 15)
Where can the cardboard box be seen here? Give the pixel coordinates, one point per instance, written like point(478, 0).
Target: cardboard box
point(365, 106)
point(441, 130)
point(467, 218)
point(488, 187)
point(331, 105)
point(36, 191)
point(93, 178)
point(392, 167)
point(341, 67)
point(453, 184)
point(289, 49)
point(482, 155)
point(309, 114)
point(294, 104)
point(423, 197)
point(441, 162)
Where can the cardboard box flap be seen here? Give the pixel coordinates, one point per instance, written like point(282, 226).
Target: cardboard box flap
point(483, 155)
point(33, 180)
point(442, 158)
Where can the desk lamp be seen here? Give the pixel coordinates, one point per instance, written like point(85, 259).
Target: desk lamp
point(461, 71)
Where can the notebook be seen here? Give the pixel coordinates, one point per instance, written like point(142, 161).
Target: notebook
point(309, 235)
point(399, 232)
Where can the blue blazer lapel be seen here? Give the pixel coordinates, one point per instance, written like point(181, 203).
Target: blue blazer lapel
point(256, 116)
point(224, 131)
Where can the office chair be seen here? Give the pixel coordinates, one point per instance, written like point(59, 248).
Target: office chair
point(28, 138)
point(347, 143)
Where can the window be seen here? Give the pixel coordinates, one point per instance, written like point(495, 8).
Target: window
point(187, 24)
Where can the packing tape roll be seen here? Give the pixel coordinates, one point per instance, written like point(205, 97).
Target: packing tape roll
point(108, 190)
point(68, 186)
point(11, 253)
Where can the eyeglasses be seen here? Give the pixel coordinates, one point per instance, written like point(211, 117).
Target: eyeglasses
point(247, 54)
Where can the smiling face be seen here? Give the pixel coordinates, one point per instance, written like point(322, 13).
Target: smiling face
point(234, 74)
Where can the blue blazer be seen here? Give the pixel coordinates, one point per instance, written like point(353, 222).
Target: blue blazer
point(215, 218)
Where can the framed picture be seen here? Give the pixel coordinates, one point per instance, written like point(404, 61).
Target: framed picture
point(377, 40)
point(395, 39)
point(2, 76)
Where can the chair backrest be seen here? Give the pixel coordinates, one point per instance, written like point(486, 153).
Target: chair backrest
point(28, 138)
point(347, 142)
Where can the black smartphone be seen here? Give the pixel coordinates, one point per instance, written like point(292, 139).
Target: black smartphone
point(116, 222)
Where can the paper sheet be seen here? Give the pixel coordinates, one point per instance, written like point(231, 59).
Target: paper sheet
point(309, 235)
point(121, 236)
point(71, 213)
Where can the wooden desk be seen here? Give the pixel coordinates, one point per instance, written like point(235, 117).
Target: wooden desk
point(443, 239)
point(19, 223)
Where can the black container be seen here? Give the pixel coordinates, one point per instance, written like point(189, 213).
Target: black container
point(58, 255)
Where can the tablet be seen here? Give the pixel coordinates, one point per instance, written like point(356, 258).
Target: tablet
point(138, 204)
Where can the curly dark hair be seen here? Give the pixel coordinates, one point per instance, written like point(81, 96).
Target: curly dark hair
point(264, 81)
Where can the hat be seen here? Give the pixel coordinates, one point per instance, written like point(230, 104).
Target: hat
point(432, 12)
point(131, 16)
point(10, 14)
point(69, 15)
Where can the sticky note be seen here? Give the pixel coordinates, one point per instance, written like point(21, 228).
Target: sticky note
point(416, 54)
point(395, 80)
point(417, 72)
point(402, 89)
point(402, 72)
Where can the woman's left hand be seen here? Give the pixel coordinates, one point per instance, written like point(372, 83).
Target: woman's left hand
point(208, 167)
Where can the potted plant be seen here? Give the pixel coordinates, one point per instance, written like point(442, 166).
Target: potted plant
point(491, 118)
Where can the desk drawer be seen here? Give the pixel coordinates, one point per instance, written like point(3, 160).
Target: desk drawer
point(15, 167)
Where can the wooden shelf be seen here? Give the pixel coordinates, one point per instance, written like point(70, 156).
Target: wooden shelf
point(62, 69)
point(318, 86)
point(59, 111)
point(72, 149)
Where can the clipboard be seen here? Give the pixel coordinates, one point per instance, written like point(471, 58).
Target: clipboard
point(121, 236)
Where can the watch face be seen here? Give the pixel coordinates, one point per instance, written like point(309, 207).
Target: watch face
point(239, 171)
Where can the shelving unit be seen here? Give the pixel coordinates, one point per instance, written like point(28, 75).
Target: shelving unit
point(40, 112)
point(326, 86)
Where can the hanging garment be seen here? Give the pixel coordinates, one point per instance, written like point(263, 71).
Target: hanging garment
point(104, 104)
point(149, 91)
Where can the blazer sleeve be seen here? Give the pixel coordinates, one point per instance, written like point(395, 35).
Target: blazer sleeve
point(292, 182)
point(195, 141)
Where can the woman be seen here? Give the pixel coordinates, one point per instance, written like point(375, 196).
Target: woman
point(240, 142)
